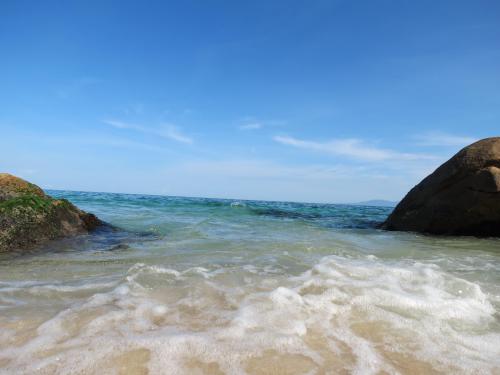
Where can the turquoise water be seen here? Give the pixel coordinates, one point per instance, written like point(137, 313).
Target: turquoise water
point(193, 286)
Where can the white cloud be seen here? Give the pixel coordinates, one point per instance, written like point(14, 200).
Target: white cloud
point(172, 132)
point(351, 148)
point(251, 123)
point(169, 131)
point(101, 141)
point(123, 125)
point(441, 139)
point(251, 126)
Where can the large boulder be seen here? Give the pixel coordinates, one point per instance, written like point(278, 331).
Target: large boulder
point(462, 197)
point(29, 217)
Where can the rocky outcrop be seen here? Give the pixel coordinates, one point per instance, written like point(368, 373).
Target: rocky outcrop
point(462, 197)
point(29, 217)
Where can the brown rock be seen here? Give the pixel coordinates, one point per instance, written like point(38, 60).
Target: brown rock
point(29, 217)
point(462, 197)
point(12, 187)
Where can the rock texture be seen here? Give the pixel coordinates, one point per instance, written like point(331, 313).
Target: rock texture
point(29, 217)
point(462, 197)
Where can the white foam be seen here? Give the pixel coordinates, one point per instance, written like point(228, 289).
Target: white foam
point(357, 315)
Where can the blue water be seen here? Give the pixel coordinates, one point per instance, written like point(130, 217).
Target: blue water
point(194, 285)
point(109, 206)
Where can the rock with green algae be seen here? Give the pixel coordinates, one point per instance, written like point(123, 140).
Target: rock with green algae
point(29, 217)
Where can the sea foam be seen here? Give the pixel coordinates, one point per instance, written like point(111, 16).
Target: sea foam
point(360, 315)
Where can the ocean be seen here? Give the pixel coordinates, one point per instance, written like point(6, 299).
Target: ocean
point(212, 286)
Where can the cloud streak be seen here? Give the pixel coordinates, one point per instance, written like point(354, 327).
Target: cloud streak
point(168, 131)
point(250, 123)
point(351, 148)
point(173, 132)
point(251, 126)
point(440, 139)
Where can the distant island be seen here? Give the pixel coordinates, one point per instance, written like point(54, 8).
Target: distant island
point(376, 203)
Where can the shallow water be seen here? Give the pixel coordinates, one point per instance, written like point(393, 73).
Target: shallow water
point(202, 286)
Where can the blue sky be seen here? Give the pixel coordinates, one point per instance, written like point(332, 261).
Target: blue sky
point(320, 101)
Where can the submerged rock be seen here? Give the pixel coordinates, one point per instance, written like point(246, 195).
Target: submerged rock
point(462, 197)
point(29, 217)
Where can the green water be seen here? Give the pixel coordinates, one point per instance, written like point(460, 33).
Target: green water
point(187, 286)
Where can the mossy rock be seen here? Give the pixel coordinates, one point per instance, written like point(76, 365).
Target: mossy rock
point(12, 187)
point(29, 217)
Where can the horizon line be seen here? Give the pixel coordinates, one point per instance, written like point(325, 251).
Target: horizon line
point(228, 199)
